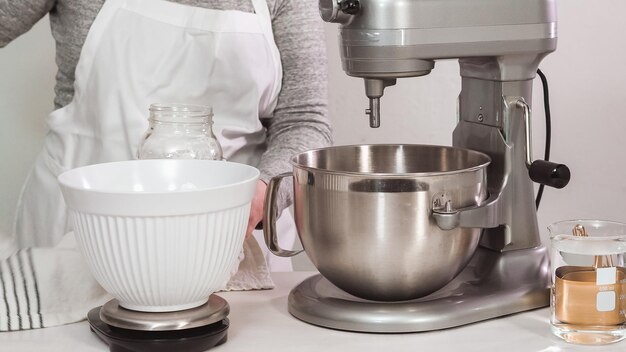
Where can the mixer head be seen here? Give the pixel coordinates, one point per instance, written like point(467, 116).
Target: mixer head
point(382, 40)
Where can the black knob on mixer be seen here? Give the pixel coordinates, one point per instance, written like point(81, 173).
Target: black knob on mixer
point(549, 173)
point(351, 7)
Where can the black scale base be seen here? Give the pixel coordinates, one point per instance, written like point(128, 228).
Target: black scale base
point(189, 340)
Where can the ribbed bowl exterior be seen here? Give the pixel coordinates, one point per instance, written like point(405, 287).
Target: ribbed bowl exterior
point(162, 263)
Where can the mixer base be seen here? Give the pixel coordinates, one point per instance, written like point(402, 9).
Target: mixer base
point(493, 284)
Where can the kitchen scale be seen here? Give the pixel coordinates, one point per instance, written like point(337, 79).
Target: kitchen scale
point(192, 330)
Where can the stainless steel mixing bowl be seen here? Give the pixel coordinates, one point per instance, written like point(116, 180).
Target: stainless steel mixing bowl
point(364, 215)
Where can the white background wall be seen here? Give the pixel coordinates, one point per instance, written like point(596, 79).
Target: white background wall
point(587, 77)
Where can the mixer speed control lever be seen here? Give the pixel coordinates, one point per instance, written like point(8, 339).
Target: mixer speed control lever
point(541, 171)
point(549, 173)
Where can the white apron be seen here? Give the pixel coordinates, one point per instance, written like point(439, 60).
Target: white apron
point(140, 52)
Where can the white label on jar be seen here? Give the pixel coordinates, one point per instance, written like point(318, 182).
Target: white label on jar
point(606, 276)
point(605, 301)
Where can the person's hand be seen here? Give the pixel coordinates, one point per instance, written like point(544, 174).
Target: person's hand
point(256, 210)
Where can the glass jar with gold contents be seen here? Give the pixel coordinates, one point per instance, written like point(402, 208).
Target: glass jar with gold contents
point(588, 300)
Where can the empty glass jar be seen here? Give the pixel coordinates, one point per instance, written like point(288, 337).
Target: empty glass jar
point(180, 131)
point(588, 281)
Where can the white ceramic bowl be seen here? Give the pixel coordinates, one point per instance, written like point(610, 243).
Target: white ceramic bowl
point(160, 235)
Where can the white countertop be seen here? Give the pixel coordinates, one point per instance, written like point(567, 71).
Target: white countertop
point(259, 321)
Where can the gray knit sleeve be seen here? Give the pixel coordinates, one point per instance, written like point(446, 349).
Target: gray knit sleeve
point(300, 120)
point(18, 16)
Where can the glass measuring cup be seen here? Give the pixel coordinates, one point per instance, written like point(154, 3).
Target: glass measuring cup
point(588, 295)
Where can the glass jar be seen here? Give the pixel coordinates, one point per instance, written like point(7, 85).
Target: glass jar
point(588, 299)
point(180, 131)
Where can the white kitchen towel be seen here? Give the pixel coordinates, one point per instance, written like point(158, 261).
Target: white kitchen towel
point(43, 287)
point(253, 272)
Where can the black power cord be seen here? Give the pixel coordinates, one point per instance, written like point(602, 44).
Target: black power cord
point(546, 106)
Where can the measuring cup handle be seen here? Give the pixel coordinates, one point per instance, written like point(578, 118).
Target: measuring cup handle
point(270, 214)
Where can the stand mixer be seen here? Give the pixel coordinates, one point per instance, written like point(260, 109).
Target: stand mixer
point(499, 45)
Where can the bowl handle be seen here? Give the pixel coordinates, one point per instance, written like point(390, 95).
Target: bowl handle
point(270, 214)
point(485, 215)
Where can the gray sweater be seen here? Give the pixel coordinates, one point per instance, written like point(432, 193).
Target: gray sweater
point(300, 119)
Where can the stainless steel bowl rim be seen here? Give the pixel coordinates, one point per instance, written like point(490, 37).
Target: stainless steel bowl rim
point(390, 174)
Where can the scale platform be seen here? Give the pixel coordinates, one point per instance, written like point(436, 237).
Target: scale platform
point(193, 330)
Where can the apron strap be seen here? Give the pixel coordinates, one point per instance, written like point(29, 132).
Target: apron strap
point(261, 8)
